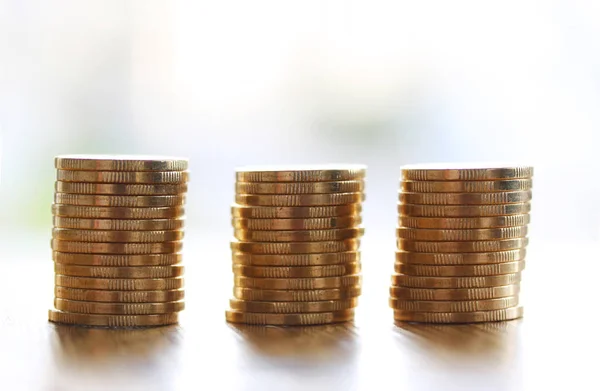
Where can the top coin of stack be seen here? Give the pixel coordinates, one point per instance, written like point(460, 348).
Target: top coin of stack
point(116, 241)
point(295, 257)
point(462, 234)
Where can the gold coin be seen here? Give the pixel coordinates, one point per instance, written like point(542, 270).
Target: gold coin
point(462, 210)
point(454, 306)
point(464, 172)
point(296, 259)
point(118, 225)
point(299, 187)
point(299, 295)
point(296, 247)
point(80, 235)
point(294, 212)
point(119, 272)
point(459, 317)
point(116, 248)
point(297, 283)
point(109, 212)
point(289, 319)
point(116, 260)
point(460, 259)
point(116, 200)
point(119, 189)
point(321, 173)
point(455, 282)
point(465, 186)
point(462, 270)
point(296, 224)
point(120, 163)
point(462, 247)
point(90, 307)
point(121, 284)
point(315, 235)
point(299, 200)
point(461, 234)
point(454, 294)
point(505, 197)
point(292, 307)
point(463, 223)
point(113, 320)
point(122, 176)
point(296, 271)
point(119, 296)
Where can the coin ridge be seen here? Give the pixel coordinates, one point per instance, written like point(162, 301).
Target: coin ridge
point(496, 198)
point(356, 186)
point(460, 258)
point(461, 235)
point(326, 174)
point(433, 294)
point(454, 282)
point(116, 248)
point(124, 189)
point(315, 259)
point(459, 317)
point(119, 284)
point(121, 321)
point(296, 295)
point(92, 307)
point(119, 271)
point(297, 271)
point(130, 177)
point(289, 319)
point(465, 246)
point(275, 212)
point(113, 260)
point(297, 283)
point(493, 269)
point(274, 307)
point(465, 174)
point(466, 186)
point(82, 163)
point(416, 210)
point(135, 201)
point(454, 306)
point(463, 222)
point(97, 295)
point(321, 235)
point(84, 235)
point(299, 200)
point(122, 212)
point(118, 224)
point(296, 247)
point(296, 224)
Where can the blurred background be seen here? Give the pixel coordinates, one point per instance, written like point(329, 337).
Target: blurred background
point(228, 83)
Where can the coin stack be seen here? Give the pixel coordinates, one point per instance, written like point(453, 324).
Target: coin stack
point(462, 234)
point(116, 241)
point(295, 257)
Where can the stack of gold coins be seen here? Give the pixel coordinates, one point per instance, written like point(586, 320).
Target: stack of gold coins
point(295, 257)
point(116, 241)
point(462, 234)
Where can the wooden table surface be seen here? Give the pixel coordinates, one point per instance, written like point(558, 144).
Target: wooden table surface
point(553, 346)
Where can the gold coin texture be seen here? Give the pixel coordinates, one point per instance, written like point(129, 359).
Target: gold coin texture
point(122, 176)
point(454, 294)
point(296, 247)
point(119, 296)
point(119, 272)
point(294, 212)
point(119, 284)
point(296, 271)
point(299, 200)
point(292, 307)
point(299, 187)
point(459, 271)
point(81, 235)
point(90, 307)
point(116, 248)
point(296, 259)
point(463, 222)
point(119, 189)
point(299, 236)
point(321, 173)
point(120, 163)
point(108, 212)
point(465, 172)
point(462, 210)
point(289, 319)
point(506, 197)
point(116, 260)
point(454, 306)
point(118, 200)
point(459, 317)
point(465, 186)
point(118, 225)
point(296, 295)
point(113, 320)
point(454, 282)
point(461, 234)
point(460, 247)
point(296, 224)
point(460, 258)
point(297, 283)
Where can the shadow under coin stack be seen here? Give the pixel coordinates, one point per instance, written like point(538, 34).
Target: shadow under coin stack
point(461, 243)
point(296, 258)
point(116, 241)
